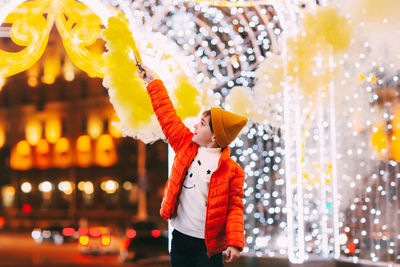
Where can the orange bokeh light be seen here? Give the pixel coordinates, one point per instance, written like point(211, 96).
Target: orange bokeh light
point(62, 153)
point(21, 156)
point(105, 151)
point(84, 151)
point(42, 154)
point(53, 130)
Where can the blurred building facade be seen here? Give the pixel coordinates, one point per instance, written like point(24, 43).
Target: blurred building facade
point(61, 158)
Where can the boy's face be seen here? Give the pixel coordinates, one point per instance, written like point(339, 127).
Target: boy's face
point(202, 133)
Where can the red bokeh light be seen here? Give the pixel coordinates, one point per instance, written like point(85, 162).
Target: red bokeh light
point(95, 232)
point(26, 208)
point(83, 231)
point(130, 233)
point(155, 233)
point(68, 231)
point(351, 247)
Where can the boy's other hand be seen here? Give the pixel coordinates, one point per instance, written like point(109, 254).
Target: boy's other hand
point(148, 75)
point(231, 254)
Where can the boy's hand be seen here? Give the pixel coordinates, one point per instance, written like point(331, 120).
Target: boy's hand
point(148, 75)
point(231, 254)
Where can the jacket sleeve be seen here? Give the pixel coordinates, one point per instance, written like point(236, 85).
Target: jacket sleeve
point(235, 224)
point(175, 131)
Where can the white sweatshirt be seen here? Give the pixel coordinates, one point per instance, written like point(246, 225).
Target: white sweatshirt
point(192, 206)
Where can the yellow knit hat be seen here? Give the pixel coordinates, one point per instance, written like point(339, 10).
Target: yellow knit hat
point(226, 125)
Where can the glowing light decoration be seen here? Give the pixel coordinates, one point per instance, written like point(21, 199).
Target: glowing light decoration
point(21, 156)
point(109, 186)
point(368, 171)
point(33, 74)
point(231, 3)
point(316, 104)
point(68, 70)
point(8, 195)
point(105, 152)
point(94, 126)
point(84, 151)
point(53, 130)
point(26, 187)
point(62, 153)
point(86, 187)
point(66, 187)
point(315, 114)
point(76, 22)
point(30, 29)
point(45, 187)
point(79, 28)
point(33, 132)
point(52, 68)
point(113, 129)
point(42, 154)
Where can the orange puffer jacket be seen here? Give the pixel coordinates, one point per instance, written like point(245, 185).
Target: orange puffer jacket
point(224, 222)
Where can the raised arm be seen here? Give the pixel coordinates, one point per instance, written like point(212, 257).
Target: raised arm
point(175, 131)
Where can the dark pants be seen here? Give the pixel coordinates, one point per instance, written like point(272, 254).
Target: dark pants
point(187, 251)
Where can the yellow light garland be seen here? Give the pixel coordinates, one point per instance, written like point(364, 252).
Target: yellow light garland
point(30, 29)
point(80, 31)
point(232, 3)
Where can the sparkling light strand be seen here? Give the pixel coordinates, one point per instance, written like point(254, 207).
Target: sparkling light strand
point(336, 203)
point(232, 3)
point(289, 174)
point(299, 178)
point(323, 180)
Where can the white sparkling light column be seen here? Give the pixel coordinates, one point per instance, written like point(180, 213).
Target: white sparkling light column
point(310, 165)
point(334, 181)
point(292, 148)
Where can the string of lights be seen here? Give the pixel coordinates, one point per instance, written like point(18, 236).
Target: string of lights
point(232, 3)
point(329, 188)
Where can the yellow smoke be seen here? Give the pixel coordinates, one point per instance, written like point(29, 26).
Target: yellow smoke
point(187, 103)
point(126, 89)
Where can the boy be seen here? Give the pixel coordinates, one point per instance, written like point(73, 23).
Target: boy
point(203, 195)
